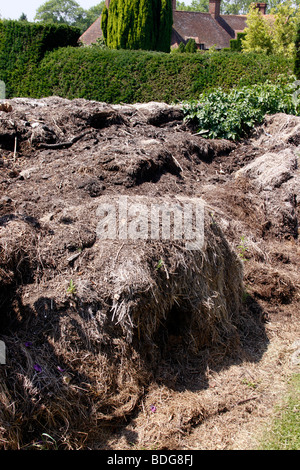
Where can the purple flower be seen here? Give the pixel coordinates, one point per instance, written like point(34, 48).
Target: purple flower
point(60, 369)
point(28, 344)
point(37, 367)
point(153, 408)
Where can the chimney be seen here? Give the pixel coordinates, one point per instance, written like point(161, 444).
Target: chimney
point(262, 7)
point(173, 5)
point(214, 8)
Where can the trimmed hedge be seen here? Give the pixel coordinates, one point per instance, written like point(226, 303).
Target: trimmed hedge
point(236, 44)
point(116, 76)
point(23, 45)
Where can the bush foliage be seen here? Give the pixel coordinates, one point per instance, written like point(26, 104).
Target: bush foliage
point(23, 45)
point(236, 44)
point(116, 76)
point(272, 34)
point(231, 115)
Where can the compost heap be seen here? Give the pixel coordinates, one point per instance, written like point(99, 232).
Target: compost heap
point(89, 323)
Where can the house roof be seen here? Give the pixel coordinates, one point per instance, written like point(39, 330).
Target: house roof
point(206, 29)
point(236, 22)
point(94, 32)
point(203, 27)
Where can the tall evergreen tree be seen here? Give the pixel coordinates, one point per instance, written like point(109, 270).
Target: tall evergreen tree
point(257, 34)
point(165, 25)
point(138, 24)
point(104, 19)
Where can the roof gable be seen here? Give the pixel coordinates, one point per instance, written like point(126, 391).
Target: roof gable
point(209, 31)
point(93, 33)
point(203, 27)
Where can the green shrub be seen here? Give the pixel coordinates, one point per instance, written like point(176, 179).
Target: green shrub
point(181, 48)
point(24, 44)
point(231, 115)
point(191, 46)
point(116, 76)
point(236, 44)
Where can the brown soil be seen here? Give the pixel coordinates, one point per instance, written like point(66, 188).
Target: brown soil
point(179, 368)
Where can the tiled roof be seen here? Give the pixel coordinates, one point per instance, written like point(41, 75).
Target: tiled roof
point(94, 32)
point(190, 24)
point(208, 30)
point(236, 22)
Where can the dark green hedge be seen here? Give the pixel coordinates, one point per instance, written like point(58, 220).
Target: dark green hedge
point(23, 45)
point(116, 76)
point(236, 44)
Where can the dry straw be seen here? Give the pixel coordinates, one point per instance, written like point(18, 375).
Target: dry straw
point(78, 362)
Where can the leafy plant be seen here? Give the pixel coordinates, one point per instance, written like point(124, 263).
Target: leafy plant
point(250, 383)
point(47, 442)
point(242, 248)
point(231, 115)
point(159, 264)
point(71, 288)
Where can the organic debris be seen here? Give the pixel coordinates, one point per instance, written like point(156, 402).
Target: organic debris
point(102, 332)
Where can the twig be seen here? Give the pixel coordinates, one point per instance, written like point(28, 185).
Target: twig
point(61, 145)
point(177, 163)
point(15, 149)
point(241, 402)
point(118, 253)
point(60, 130)
point(73, 257)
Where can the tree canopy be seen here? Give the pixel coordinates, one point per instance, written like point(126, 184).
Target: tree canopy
point(68, 12)
point(228, 7)
point(231, 7)
point(274, 34)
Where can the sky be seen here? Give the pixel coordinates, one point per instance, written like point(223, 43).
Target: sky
point(13, 9)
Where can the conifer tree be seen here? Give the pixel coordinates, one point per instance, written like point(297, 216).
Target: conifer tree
point(104, 17)
point(191, 46)
point(257, 34)
point(165, 25)
point(138, 24)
